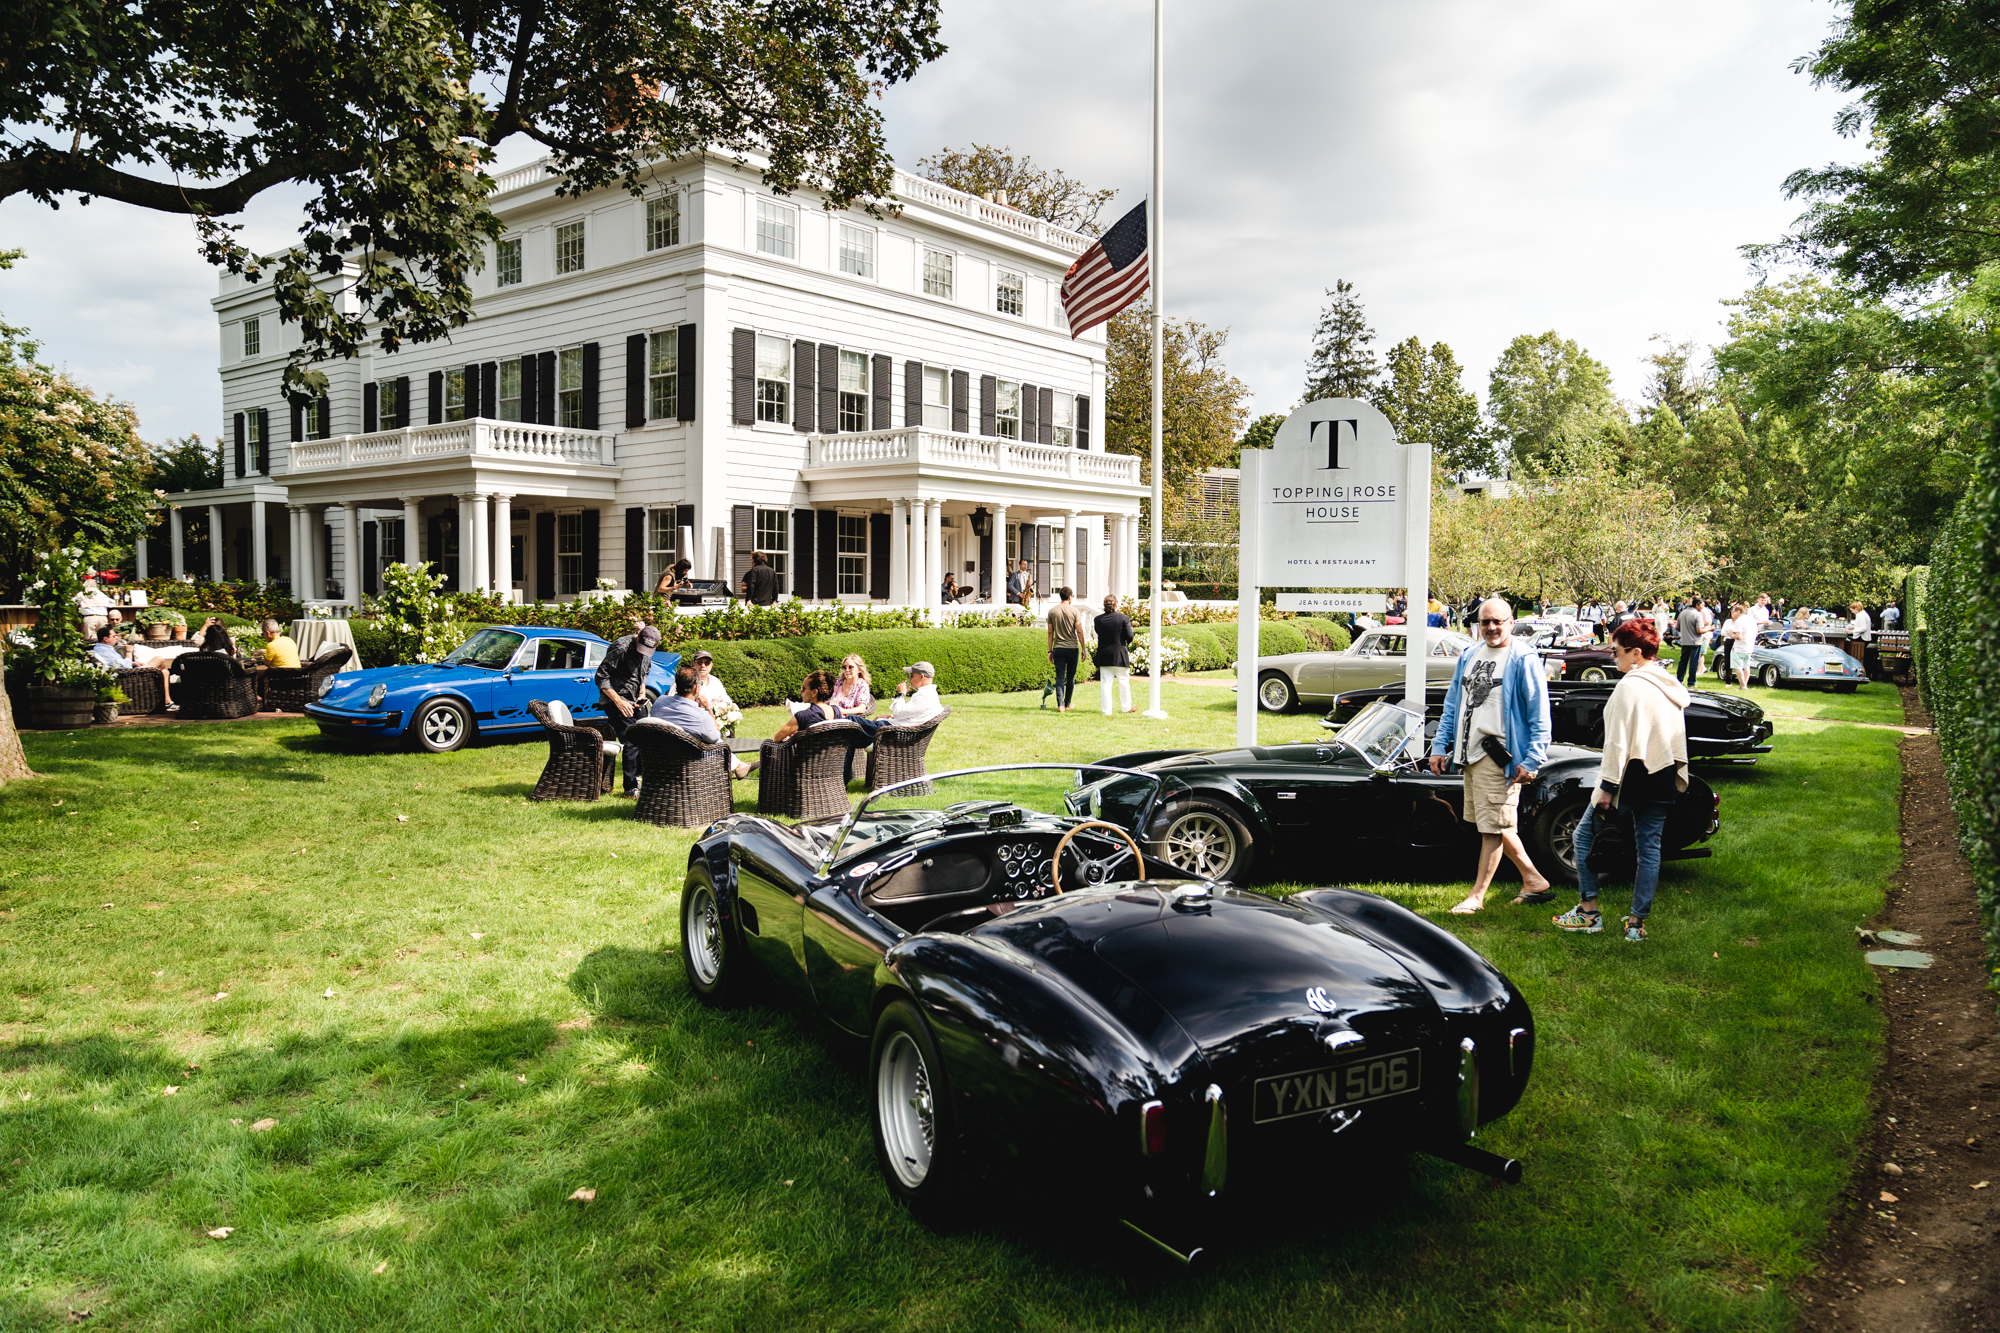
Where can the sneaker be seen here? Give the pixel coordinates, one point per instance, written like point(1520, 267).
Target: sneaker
point(1635, 930)
point(1576, 919)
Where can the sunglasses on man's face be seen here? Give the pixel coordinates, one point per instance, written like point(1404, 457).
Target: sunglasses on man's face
point(1492, 622)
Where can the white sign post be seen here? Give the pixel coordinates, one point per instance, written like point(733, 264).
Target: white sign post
point(1336, 501)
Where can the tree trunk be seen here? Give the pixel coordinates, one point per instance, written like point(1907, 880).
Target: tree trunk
point(13, 763)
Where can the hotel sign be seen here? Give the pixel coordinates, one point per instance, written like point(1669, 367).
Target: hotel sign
point(1330, 500)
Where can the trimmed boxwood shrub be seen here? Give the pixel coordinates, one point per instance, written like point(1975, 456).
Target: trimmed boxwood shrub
point(1327, 635)
point(768, 671)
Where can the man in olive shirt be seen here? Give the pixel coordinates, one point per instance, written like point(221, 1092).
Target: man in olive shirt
point(1065, 645)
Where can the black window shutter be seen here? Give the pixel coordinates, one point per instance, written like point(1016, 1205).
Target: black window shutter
point(961, 401)
point(635, 382)
point(635, 550)
point(545, 388)
point(436, 406)
point(434, 542)
point(1082, 422)
point(371, 576)
point(743, 376)
point(1045, 413)
point(878, 555)
point(298, 421)
point(545, 555)
point(590, 377)
point(1079, 540)
point(470, 391)
point(879, 371)
point(1030, 419)
point(328, 578)
point(684, 392)
point(1044, 541)
point(829, 388)
point(803, 549)
point(986, 565)
point(913, 393)
point(829, 554)
point(371, 407)
point(802, 385)
point(989, 405)
point(742, 535)
point(261, 456)
point(489, 390)
point(242, 427)
point(590, 534)
point(402, 403)
point(529, 410)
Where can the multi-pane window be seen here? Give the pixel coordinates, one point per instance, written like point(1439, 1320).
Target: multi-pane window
point(663, 222)
point(774, 378)
point(853, 554)
point(569, 247)
point(857, 251)
point(773, 536)
point(507, 266)
point(777, 229)
point(662, 544)
point(937, 398)
point(1013, 545)
point(1064, 432)
point(937, 273)
point(389, 404)
point(853, 391)
point(1007, 409)
point(569, 552)
point(1056, 553)
point(253, 337)
point(389, 541)
point(569, 387)
point(454, 395)
point(510, 391)
point(253, 436)
point(318, 424)
point(663, 376)
point(1008, 296)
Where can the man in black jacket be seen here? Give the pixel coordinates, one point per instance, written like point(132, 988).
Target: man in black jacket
point(621, 683)
point(760, 585)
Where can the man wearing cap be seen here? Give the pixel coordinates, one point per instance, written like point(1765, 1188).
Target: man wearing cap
point(621, 683)
point(916, 700)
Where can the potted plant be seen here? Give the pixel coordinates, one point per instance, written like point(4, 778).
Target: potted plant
point(159, 622)
point(62, 678)
point(109, 696)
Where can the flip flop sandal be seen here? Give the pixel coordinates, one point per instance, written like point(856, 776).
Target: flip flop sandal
point(1471, 903)
point(1525, 899)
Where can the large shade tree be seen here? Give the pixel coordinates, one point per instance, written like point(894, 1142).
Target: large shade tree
point(1044, 192)
point(387, 111)
point(1550, 403)
point(1202, 403)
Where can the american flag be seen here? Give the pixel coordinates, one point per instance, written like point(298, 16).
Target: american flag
point(1109, 276)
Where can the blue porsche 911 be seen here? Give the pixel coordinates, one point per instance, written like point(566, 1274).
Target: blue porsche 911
point(481, 689)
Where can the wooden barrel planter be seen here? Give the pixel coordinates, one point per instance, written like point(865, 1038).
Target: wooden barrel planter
point(61, 707)
point(159, 633)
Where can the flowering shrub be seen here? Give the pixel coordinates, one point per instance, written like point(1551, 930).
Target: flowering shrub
point(1173, 655)
point(55, 654)
point(414, 615)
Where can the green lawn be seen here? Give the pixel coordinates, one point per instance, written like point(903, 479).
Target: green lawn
point(507, 1023)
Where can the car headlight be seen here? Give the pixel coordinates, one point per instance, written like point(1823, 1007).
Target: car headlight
point(325, 688)
point(377, 695)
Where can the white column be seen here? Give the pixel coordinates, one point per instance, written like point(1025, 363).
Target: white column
point(933, 551)
point(899, 553)
point(1114, 554)
point(174, 525)
point(1132, 556)
point(1071, 543)
point(260, 542)
point(1000, 570)
point(215, 543)
point(350, 540)
point(292, 547)
point(139, 553)
point(412, 525)
point(312, 522)
point(503, 546)
point(472, 542)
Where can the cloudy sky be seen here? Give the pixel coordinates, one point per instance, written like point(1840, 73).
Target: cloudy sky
point(1477, 169)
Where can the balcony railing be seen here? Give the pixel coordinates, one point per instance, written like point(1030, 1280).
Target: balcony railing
point(510, 441)
point(915, 189)
point(977, 453)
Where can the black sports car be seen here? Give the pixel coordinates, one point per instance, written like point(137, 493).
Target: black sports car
point(1042, 997)
point(1722, 728)
point(1231, 814)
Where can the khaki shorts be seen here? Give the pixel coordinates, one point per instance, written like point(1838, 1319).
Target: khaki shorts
point(1492, 801)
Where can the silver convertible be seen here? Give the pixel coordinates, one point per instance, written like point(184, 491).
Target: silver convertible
point(1376, 658)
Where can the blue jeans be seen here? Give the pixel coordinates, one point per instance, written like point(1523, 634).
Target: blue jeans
point(1645, 822)
point(1688, 670)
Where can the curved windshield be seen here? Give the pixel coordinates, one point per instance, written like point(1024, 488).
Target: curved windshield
point(1383, 731)
point(490, 648)
point(995, 798)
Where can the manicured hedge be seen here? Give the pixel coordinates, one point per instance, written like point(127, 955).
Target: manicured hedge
point(768, 671)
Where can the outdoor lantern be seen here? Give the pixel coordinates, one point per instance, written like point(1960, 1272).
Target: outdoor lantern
point(982, 522)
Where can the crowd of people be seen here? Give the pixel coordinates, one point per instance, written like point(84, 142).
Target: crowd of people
point(107, 645)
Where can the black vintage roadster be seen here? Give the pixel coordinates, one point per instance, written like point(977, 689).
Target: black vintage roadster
point(1043, 999)
point(1268, 809)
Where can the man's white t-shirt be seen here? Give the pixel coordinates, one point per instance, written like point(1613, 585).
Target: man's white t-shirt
point(1759, 614)
point(920, 705)
point(1485, 675)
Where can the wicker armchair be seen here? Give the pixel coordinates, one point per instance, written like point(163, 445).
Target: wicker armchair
point(213, 685)
point(899, 754)
point(579, 767)
point(801, 778)
point(290, 689)
point(145, 691)
point(685, 779)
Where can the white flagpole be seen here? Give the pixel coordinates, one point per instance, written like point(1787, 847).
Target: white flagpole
point(1154, 221)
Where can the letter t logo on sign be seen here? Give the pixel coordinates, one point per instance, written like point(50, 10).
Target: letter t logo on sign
point(1333, 438)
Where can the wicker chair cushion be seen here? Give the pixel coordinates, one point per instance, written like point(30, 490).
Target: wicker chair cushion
point(559, 713)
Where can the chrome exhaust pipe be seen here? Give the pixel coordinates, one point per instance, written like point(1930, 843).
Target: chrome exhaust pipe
point(1504, 1169)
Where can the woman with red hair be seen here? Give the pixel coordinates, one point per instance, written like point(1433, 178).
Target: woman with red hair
point(1645, 767)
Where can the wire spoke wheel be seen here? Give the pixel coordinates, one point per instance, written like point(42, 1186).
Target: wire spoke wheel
point(1275, 694)
point(704, 934)
point(905, 1110)
point(1201, 843)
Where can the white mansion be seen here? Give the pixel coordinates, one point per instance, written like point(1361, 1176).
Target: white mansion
point(708, 371)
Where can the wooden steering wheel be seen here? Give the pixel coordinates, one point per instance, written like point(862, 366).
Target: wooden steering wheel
point(1055, 862)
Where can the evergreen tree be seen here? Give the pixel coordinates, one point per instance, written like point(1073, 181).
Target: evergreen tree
point(1341, 365)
